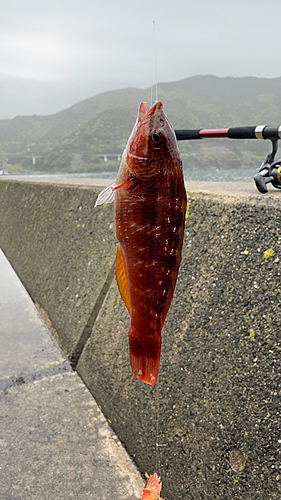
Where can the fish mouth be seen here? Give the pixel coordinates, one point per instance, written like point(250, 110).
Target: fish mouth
point(156, 116)
point(155, 107)
point(145, 112)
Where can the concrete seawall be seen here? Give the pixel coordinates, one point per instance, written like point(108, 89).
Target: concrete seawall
point(219, 386)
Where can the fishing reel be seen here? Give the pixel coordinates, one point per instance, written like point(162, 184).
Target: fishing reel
point(270, 170)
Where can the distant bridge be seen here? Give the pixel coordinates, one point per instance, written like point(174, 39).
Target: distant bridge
point(110, 156)
point(20, 155)
point(105, 156)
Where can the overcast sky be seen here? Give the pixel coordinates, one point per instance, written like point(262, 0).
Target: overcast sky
point(100, 45)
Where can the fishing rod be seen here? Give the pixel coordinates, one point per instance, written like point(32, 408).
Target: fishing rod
point(269, 171)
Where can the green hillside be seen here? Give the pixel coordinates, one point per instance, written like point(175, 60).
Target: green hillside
point(106, 133)
point(71, 140)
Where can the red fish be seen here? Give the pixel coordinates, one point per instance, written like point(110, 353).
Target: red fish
point(152, 488)
point(150, 207)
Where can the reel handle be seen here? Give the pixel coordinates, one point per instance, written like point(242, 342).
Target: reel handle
point(261, 182)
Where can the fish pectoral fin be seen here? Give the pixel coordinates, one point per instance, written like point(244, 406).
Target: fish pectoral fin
point(125, 185)
point(120, 276)
point(106, 195)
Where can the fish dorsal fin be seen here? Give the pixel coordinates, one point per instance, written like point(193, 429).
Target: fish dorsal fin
point(106, 196)
point(120, 276)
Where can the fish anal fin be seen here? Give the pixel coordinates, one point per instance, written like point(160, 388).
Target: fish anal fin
point(120, 276)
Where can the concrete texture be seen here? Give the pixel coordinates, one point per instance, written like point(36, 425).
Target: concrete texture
point(24, 338)
point(55, 443)
point(219, 386)
point(236, 189)
point(47, 231)
point(217, 403)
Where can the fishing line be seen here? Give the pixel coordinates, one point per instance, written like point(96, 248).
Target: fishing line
point(157, 391)
point(157, 444)
point(154, 68)
point(157, 457)
point(151, 86)
point(155, 61)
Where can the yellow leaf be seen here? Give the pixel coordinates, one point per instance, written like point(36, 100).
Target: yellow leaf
point(268, 253)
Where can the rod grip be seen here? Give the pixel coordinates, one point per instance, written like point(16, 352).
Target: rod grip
point(241, 133)
point(187, 135)
point(258, 132)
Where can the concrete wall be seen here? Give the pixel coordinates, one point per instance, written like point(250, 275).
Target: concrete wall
point(219, 386)
point(63, 252)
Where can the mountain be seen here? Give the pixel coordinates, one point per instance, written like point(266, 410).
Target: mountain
point(33, 132)
point(23, 96)
point(229, 89)
point(106, 133)
point(73, 138)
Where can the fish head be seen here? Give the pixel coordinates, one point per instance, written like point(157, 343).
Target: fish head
point(151, 142)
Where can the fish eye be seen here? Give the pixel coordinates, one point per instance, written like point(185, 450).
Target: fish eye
point(155, 137)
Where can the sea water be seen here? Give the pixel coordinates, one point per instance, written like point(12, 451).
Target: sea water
point(211, 174)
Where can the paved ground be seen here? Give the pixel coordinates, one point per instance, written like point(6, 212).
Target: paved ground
point(55, 443)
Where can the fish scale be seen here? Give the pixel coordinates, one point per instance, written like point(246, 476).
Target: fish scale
point(150, 207)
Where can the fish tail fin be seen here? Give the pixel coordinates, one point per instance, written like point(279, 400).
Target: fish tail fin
point(145, 357)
